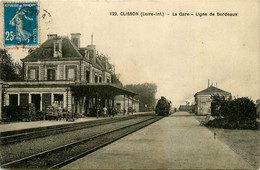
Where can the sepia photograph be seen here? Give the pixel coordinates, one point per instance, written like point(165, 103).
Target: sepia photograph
point(128, 84)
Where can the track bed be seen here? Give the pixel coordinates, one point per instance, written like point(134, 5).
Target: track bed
point(58, 150)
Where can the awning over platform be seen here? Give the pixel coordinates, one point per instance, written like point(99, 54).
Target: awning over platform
point(106, 90)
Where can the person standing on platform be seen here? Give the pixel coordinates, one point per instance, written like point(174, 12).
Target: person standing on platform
point(114, 112)
point(105, 111)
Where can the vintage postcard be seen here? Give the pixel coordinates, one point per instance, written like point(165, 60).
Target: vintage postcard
point(128, 84)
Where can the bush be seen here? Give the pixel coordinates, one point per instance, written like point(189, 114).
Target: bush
point(239, 113)
point(19, 113)
point(226, 124)
point(241, 109)
point(12, 113)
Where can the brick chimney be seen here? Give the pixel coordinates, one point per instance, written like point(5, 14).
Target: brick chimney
point(75, 38)
point(91, 49)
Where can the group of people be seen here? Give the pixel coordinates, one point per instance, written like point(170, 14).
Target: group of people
point(109, 112)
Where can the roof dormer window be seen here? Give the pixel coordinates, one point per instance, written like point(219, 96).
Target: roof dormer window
point(87, 54)
point(57, 48)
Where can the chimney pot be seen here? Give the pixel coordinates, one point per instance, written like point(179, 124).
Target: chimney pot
point(52, 36)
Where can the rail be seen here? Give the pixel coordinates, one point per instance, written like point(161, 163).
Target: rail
point(12, 137)
point(62, 155)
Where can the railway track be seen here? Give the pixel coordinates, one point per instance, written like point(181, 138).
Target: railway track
point(62, 155)
point(18, 136)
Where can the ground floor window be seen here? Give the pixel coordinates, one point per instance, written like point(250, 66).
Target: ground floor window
point(46, 99)
point(13, 99)
point(58, 99)
point(24, 99)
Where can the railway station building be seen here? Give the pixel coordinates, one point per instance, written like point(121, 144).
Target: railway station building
point(203, 99)
point(60, 72)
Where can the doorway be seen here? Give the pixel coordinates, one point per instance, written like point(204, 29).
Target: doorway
point(13, 99)
point(36, 99)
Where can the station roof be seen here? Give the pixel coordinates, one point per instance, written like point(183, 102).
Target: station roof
point(104, 89)
point(78, 89)
point(69, 52)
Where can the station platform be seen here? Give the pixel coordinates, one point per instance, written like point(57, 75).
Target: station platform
point(175, 142)
point(4, 127)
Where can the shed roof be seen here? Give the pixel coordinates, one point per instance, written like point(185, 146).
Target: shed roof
point(212, 90)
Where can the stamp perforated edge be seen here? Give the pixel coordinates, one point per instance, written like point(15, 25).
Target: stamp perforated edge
point(38, 18)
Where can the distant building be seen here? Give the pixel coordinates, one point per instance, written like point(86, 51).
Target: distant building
point(126, 103)
point(203, 99)
point(187, 108)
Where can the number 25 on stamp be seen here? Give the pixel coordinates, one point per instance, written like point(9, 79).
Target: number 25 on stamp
point(21, 24)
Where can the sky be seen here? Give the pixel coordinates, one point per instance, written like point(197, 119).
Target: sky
point(178, 53)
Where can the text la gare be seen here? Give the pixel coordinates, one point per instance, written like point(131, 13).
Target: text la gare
point(181, 14)
point(200, 14)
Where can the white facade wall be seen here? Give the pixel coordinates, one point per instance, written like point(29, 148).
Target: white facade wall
point(40, 91)
point(203, 103)
point(60, 70)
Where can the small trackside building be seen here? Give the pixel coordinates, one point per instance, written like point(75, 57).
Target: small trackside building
point(203, 99)
point(127, 104)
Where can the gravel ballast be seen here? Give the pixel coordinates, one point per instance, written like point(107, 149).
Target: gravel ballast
point(28, 147)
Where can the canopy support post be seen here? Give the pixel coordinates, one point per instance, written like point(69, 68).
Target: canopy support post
point(96, 100)
point(113, 101)
point(127, 104)
point(132, 105)
point(124, 105)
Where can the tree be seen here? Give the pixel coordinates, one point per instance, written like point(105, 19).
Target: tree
point(115, 80)
point(10, 70)
point(146, 93)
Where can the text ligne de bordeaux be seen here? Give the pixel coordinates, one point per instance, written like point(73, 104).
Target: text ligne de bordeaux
point(185, 14)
